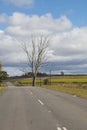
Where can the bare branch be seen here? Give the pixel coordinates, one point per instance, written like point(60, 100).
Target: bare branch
point(37, 53)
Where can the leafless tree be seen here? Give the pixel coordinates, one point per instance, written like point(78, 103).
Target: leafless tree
point(36, 54)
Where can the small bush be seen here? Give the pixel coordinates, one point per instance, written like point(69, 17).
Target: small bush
point(46, 81)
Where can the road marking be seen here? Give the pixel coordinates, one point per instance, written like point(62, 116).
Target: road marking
point(40, 102)
point(64, 128)
point(58, 128)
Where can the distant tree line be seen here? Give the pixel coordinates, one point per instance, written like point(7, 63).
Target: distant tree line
point(3, 74)
point(39, 74)
point(29, 75)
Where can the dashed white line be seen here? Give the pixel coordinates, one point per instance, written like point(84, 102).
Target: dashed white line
point(64, 128)
point(40, 102)
point(58, 128)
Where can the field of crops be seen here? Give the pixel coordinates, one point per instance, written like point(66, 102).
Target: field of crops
point(76, 85)
point(53, 80)
point(69, 79)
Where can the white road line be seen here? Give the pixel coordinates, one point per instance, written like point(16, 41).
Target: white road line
point(40, 102)
point(58, 128)
point(64, 128)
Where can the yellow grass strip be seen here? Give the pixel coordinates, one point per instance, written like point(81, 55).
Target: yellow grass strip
point(74, 91)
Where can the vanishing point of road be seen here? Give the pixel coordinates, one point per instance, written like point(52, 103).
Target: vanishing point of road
point(34, 108)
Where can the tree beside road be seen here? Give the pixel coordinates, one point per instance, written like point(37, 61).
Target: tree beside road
point(3, 74)
point(37, 54)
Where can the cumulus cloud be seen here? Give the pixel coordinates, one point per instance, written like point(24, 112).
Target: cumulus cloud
point(67, 48)
point(22, 24)
point(20, 3)
point(41, 22)
point(8, 49)
point(13, 71)
point(71, 44)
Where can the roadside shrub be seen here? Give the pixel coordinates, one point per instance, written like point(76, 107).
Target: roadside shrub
point(46, 82)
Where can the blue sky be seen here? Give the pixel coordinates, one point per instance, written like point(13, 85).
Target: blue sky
point(74, 9)
point(65, 20)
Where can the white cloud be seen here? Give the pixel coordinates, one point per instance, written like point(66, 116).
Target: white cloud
point(71, 44)
point(20, 3)
point(13, 71)
point(22, 24)
point(41, 22)
point(68, 44)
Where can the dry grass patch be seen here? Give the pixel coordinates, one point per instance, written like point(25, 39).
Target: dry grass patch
point(71, 90)
point(2, 87)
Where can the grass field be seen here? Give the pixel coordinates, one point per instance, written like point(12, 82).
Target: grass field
point(2, 87)
point(69, 79)
point(76, 85)
point(71, 90)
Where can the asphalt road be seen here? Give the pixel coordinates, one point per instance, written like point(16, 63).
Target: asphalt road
point(34, 108)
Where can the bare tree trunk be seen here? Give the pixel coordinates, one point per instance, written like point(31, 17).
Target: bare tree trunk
point(36, 55)
point(33, 80)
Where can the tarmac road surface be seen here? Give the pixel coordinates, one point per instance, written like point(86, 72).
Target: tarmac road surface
point(34, 108)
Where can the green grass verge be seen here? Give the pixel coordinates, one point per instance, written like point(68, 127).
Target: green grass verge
point(76, 85)
point(69, 79)
point(25, 82)
point(71, 90)
point(53, 80)
point(2, 88)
